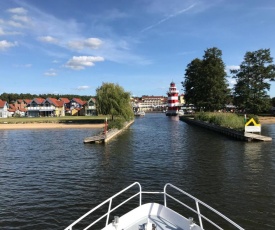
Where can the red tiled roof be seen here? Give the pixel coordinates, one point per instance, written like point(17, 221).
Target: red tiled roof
point(65, 100)
point(79, 101)
point(2, 103)
point(11, 108)
point(55, 102)
point(39, 100)
point(28, 101)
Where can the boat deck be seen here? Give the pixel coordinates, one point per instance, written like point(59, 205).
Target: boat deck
point(160, 223)
point(152, 216)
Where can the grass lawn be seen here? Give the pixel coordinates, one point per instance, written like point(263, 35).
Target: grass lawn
point(66, 119)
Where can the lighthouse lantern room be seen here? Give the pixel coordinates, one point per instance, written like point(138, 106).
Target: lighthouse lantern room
point(173, 100)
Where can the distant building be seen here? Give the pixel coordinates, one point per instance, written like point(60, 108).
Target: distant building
point(146, 103)
point(3, 109)
point(77, 107)
point(35, 107)
point(90, 107)
point(181, 99)
point(67, 104)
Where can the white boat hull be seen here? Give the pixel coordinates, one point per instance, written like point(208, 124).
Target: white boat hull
point(152, 216)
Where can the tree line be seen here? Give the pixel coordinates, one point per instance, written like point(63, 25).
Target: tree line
point(11, 97)
point(206, 86)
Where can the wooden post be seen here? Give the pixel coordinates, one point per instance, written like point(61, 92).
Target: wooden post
point(105, 127)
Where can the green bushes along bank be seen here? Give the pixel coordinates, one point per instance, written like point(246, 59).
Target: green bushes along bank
point(227, 120)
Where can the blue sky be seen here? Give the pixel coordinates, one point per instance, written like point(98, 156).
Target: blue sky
point(73, 46)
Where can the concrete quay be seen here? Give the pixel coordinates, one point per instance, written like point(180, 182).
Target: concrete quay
point(226, 131)
point(102, 138)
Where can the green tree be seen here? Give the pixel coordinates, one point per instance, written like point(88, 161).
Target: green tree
point(205, 81)
point(113, 100)
point(252, 81)
point(192, 82)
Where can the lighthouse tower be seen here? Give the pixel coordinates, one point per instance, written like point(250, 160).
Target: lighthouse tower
point(173, 100)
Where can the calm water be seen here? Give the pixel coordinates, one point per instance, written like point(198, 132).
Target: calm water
point(49, 178)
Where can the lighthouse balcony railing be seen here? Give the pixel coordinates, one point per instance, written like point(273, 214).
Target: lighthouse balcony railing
point(173, 91)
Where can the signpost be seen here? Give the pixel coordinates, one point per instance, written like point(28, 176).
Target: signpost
point(252, 127)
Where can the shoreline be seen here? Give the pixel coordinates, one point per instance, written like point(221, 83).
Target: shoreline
point(262, 120)
point(49, 126)
point(266, 120)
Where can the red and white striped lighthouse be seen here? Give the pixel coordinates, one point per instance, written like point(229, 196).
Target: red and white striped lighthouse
point(173, 100)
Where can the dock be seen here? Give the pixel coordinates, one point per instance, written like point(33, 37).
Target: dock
point(95, 139)
point(253, 136)
point(249, 137)
point(104, 138)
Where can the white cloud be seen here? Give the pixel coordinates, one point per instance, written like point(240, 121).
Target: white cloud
point(78, 45)
point(18, 10)
point(50, 73)
point(15, 24)
point(235, 67)
point(2, 32)
point(84, 87)
point(48, 39)
point(4, 44)
point(92, 43)
point(21, 18)
point(23, 66)
point(231, 67)
point(81, 62)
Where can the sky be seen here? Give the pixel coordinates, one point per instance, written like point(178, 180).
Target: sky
point(73, 46)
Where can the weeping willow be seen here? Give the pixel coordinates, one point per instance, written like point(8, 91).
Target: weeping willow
point(113, 100)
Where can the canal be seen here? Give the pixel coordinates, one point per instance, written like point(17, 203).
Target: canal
point(49, 178)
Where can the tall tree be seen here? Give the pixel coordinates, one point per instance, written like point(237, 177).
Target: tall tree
point(113, 100)
point(205, 81)
point(252, 81)
point(192, 83)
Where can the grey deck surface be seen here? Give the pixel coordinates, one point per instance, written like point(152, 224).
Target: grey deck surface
point(161, 224)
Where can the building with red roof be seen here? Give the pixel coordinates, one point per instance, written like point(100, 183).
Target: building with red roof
point(77, 107)
point(3, 109)
point(35, 106)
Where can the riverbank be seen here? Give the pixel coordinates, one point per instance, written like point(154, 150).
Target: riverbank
point(262, 119)
point(50, 126)
point(266, 120)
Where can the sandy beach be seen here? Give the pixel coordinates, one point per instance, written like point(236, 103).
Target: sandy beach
point(50, 126)
point(267, 120)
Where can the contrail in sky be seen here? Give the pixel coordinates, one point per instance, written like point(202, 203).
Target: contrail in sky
point(168, 17)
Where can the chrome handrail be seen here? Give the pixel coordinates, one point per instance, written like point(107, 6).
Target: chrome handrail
point(109, 207)
point(197, 202)
point(140, 192)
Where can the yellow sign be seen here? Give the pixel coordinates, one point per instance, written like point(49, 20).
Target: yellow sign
point(254, 128)
point(252, 121)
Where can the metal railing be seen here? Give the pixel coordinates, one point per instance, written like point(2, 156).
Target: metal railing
point(140, 192)
point(110, 209)
point(198, 203)
point(41, 108)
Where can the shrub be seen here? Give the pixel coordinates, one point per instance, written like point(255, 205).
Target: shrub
point(116, 124)
point(227, 120)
